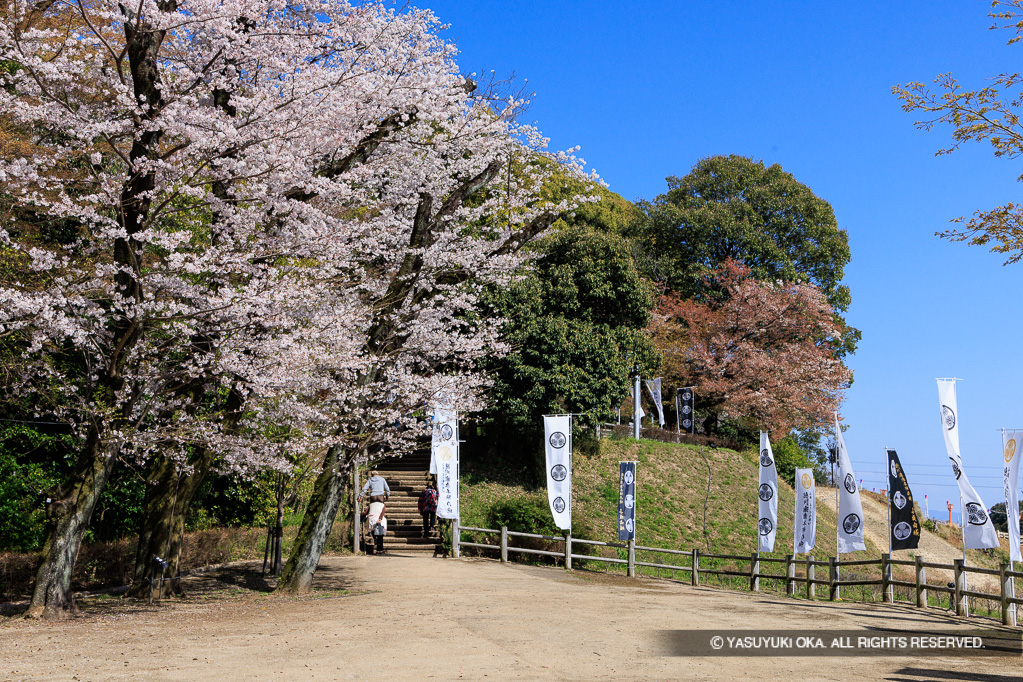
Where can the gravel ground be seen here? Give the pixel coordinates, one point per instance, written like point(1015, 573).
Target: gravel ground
point(399, 617)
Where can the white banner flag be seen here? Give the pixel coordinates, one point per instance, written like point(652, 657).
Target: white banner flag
point(557, 431)
point(444, 462)
point(445, 423)
point(850, 509)
point(978, 531)
point(1011, 442)
point(653, 386)
point(806, 512)
point(767, 525)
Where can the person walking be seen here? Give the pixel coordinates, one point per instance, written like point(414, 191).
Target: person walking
point(376, 522)
point(428, 508)
point(377, 488)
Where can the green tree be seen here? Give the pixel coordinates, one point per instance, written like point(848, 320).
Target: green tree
point(575, 329)
point(758, 215)
point(788, 455)
point(990, 114)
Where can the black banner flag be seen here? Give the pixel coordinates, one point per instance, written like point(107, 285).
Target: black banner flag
point(905, 526)
point(687, 410)
point(626, 501)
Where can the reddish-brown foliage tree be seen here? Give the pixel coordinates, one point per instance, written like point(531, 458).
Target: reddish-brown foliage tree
point(764, 353)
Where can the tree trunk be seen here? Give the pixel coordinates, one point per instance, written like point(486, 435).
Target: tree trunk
point(52, 597)
point(316, 523)
point(168, 497)
point(279, 527)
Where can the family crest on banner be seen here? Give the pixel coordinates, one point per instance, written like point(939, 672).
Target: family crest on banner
point(903, 524)
point(626, 501)
point(1011, 442)
point(850, 509)
point(685, 406)
point(558, 449)
point(767, 494)
point(805, 536)
point(444, 461)
point(978, 531)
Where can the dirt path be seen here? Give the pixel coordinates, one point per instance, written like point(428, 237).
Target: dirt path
point(407, 617)
point(932, 547)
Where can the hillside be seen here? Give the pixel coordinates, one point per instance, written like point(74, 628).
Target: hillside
point(679, 508)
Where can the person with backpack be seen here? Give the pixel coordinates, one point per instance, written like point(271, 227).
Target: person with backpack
point(428, 508)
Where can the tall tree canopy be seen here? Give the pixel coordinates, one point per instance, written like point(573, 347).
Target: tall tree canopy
point(732, 207)
point(575, 324)
point(990, 114)
point(255, 213)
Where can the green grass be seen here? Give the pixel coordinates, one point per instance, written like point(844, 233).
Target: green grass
point(676, 509)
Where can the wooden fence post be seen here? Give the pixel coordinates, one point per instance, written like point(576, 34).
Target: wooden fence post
point(833, 578)
point(632, 558)
point(960, 585)
point(1008, 609)
point(754, 572)
point(504, 544)
point(811, 588)
point(696, 567)
point(887, 589)
point(790, 575)
point(568, 550)
point(921, 582)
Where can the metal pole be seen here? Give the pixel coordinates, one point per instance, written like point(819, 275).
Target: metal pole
point(888, 497)
point(835, 589)
point(678, 415)
point(835, 593)
point(889, 589)
point(635, 407)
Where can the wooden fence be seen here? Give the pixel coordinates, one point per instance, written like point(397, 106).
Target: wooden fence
point(808, 581)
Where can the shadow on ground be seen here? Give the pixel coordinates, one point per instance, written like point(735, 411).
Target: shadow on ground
point(242, 581)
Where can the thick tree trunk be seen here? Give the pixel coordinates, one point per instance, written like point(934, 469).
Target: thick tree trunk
point(383, 339)
point(52, 597)
point(316, 523)
point(168, 497)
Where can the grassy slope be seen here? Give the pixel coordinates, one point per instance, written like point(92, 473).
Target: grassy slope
point(672, 496)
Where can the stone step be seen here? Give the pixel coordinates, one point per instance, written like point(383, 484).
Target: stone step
point(394, 524)
point(405, 528)
point(399, 541)
point(426, 551)
point(414, 465)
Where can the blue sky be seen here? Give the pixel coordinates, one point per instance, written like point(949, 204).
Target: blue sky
point(649, 88)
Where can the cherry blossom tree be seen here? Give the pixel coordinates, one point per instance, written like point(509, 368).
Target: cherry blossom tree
point(765, 353)
point(277, 212)
point(990, 114)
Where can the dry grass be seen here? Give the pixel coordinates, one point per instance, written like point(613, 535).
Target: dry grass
point(111, 564)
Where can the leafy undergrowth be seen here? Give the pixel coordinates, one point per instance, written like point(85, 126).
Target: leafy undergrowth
point(110, 564)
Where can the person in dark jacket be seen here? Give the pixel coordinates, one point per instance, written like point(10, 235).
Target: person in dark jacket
point(428, 508)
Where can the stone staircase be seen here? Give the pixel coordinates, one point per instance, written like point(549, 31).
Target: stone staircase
point(407, 476)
